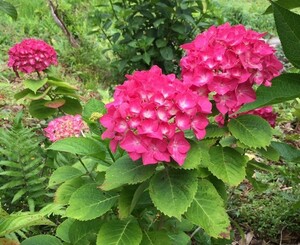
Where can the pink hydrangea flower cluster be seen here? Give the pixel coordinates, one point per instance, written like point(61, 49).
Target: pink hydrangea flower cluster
point(148, 116)
point(65, 127)
point(31, 55)
point(227, 61)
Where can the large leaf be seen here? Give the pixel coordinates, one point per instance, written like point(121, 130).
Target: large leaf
point(38, 109)
point(194, 156)
point(80, 146)
point(288, 29)
point(125, 200)
point(65, 191)
point(62, 231)
point(288, 152)
point(34, 85)
point(156, 238)
point(288, 4)
point(71, 106)
point(62, 174)
point(8, 9)
point(118, 232)
point(12, 223)
point(42, 240)
point(253, 131)
point(285, 87)
point(125, 171)
point(81, 232)
point(227, 164)
point(207, 211)
point(93, 106)
point(88, 202)
point(172, 190)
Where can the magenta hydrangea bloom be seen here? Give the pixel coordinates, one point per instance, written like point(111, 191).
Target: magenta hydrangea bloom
point(31, 55)
point(149, 113)
point(65, 127)
point(227, 61)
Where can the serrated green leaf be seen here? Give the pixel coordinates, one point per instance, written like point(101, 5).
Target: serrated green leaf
point(65, 191)
point(288, 4)
point(251, 130)
point(284, 87)
point(12, 223)
point(91, 107)
point(125, 200)
point(207, 211)
point(194, 156)
point(34, 85)
point(167, 53)
point(227, 164)
point(213, 131)
point(288, 31)
point(172, 191)
point(156, 238)
point(63, 174)
point(71, 106)
point(37, 109)
point(125, 171)
point(270, 153)
point(287, 151)
point(82, 231)
point(63, 230)
point(120, 232)
point(88, 202)
point(42, 240)
point(80, 146)
point(180, 238)
point(8, 9)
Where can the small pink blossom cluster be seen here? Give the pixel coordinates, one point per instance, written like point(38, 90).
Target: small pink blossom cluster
point(65, 127)
point(31, 55)
point(227, 61)
point(148, 116)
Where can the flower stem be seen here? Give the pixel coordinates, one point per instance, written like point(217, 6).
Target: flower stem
point(87, 171)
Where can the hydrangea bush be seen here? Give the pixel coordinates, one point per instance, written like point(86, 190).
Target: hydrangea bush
point(155, 168)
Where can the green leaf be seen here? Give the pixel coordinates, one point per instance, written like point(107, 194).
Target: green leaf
point(251, 130)
point(88, 202)
point(63, 230)
point(62, 174)
point(207, 211)
point(161, 43)
point(71, 106)
point(288, 29)
point(180, 238)
point(80, 146)
point(213, 131)
point(288, 4)
point(34, 85)
point(155, 238)
point(227, 164)
point(270, 153)
point(91, 107)
point(125, 200)
point(287, 151)
point(22, 94)
point(194, 156)
point(37, 109)
point(42, 240)
point(65, 191)
point(284, 87)
point(125, 171)
point(147, 58)
point(8, 9)
point(118, 232)
point(172, 190)
point(37, 96)
point(81, 231)
point(167, 53)
point(14, 222)
point(59, 83)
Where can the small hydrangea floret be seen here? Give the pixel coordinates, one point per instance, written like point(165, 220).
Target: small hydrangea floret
point(65, 127)
point(227, 61)
point(149, 113)
point(31, 55)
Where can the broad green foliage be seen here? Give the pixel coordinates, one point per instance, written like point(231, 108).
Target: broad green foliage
point(227, 164)
point(126, 171)
point(172, 191)
point(156, 238)
point(62, 174)
point(119, 232)
point(42, 240)
point(287, 4)
point(207, 210)
point(253, 131)
point(88, 203)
